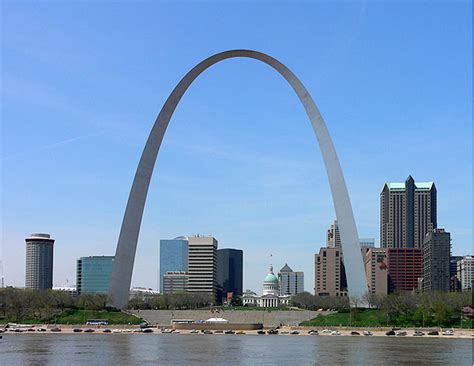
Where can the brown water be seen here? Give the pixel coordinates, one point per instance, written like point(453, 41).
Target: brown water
point(132, 349)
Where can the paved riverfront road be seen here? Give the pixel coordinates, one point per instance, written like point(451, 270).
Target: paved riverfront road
point(133, 349)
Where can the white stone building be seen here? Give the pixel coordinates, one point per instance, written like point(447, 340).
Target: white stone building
point(271, 297)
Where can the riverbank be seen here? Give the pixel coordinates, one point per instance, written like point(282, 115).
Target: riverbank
point(284, 331)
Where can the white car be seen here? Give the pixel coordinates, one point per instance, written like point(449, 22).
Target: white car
point(335, 333)
point(367, 333)
point(448, 332)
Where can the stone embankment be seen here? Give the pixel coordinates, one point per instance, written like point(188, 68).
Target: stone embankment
point(269, 318)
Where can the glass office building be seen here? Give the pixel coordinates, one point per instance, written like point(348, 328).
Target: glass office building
point(93, 274)
point(173, 256)
point(230, 271)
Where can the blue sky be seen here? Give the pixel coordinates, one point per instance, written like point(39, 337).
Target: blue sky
point(81, 85)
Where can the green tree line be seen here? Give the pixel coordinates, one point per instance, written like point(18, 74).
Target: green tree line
point(401, 309)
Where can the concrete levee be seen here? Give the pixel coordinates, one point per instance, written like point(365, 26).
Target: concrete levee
point(218, 326)
point(269, 318)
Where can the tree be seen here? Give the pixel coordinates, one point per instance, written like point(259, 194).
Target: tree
point(235, 300)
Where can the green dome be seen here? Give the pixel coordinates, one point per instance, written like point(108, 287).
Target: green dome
point(271, 278)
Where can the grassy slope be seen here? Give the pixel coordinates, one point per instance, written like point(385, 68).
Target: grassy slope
point(81, 316)
point(365, 318)
point(72, 316)
point(368, 318)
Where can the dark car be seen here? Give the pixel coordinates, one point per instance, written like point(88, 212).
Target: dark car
point(272, 331)
point(229, 332)
point(261, 332)
point(355, 333)
point(147, 330)
point(434, 332)
point(55, 329)
point(77, 330)
point(390, 333)
point(89, 330)
point(106, 331)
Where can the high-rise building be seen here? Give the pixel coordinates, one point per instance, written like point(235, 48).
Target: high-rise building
point(465, 272)
point(291, 283)
point(367, 242)
point(173, 256)
point(407, 213)
point(175, 281)
point(230, 271)
point(454, 281)
point(405, 267)
point(436, 255)
point(330, 275)
point(93, 274)
point(333, 238)
point(202, 265)
point(39, 262)
point(376, 269)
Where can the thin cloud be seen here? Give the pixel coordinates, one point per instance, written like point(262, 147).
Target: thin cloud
point(52, 146)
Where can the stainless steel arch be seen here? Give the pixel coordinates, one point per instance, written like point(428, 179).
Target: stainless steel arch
point(127, 242)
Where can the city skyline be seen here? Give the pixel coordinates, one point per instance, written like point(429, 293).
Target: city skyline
point(264, 198)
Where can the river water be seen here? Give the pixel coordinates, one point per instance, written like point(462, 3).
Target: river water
point(143, 349)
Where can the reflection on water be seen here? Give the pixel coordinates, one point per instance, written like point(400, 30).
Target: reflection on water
point(131, 349)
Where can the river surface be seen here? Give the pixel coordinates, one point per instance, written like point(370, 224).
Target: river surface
point(143, 349)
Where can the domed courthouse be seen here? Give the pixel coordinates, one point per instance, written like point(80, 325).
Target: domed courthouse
point(271, 297)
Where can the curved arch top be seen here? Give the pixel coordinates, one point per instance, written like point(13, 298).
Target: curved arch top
point(128, 238)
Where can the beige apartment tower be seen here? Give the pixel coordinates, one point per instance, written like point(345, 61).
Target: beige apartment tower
point(329, 272)
point(407, 213)
point(202, 264)
point(376, 270)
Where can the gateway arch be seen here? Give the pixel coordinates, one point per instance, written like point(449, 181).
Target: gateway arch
point(128, 238)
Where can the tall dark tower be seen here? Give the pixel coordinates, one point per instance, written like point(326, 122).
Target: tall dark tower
point(407, 213)
point(230, 270)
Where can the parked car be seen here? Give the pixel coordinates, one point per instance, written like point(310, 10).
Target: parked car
point(55, 329)
point(418, 333)
point(106, 331)
point(229, 331)
point(313, 332)
point(240, 332)
point(335, 333)
point(448, 332)
point(355, 333)
point(295, 332)
point(433, 332)
point(367, 333)
point(390, 333)
point(194, 331)
point(77, 330)
point(89, 330)
point(41, 329)
point(261, 332)
point(400, 334)
point(147, 330)
point(272, 331)
point(207, 331)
